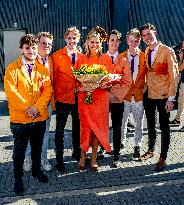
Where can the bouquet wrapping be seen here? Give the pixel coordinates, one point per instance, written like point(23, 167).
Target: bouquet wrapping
point(91, 78)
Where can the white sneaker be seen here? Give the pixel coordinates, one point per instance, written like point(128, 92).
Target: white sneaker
point(46, 165)
point(27, 165)
point(117, 164)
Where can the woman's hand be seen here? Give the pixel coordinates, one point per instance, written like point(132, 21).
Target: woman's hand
point(81, 89)
point(105, 86)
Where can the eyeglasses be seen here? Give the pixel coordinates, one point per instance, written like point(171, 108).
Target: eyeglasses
point(46, 44)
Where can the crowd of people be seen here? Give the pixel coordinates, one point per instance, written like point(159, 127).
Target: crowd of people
point(38, 83)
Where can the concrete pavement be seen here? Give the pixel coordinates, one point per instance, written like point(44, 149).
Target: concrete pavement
point(134, 183)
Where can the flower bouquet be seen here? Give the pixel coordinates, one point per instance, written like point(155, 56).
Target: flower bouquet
point(91, 76)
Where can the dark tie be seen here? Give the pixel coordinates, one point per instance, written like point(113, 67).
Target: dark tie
point(112, 58)
point(149, 57)
point(73, 58)
point(43, 61)
point(29, 69)
point(132, 63)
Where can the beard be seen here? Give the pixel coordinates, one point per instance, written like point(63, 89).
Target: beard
point(29, 57)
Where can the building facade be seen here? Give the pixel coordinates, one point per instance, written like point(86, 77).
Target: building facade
point(18, 17)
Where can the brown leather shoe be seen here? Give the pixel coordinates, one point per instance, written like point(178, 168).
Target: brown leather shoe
point(147, 155)
point(175, 122)
point(160, 165)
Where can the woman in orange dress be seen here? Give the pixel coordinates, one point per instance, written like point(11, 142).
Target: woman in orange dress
point(94, 118)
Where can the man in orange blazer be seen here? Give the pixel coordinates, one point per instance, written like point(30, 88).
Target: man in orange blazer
point(65, 96)
point(133, 101)
point(44, 49)
point(117, 65)
point(28, 90)
point(162, 80)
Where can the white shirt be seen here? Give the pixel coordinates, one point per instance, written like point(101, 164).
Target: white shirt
point(46, 60)
point(153, 53)
point(24, 62)
point(114, 55)
point(70, 54)
point(136, 63)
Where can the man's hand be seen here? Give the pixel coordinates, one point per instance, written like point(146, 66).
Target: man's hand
point(32, 112)
point(169, 106)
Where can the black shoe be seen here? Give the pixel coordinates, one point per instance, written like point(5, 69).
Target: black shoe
point(101, 153)
point(136, 154)
point(116, 162)
point(18, 186)
point(60, 167)
point(116, 157)
point(40, 176)
point(122, 148)
point(76, 156)
point(130, 125)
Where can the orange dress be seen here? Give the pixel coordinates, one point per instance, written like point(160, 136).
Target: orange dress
point(94, 118)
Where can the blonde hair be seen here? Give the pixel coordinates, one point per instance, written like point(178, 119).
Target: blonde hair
point(97, 32)
point(74, 30)
point(45, 34)
point(135, 32)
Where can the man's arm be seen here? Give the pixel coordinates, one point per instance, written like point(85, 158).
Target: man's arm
point(13, 96)
point(46, 93)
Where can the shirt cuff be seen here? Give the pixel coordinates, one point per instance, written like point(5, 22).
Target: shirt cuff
point(171, 98)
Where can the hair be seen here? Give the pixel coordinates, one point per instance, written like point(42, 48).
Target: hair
point(135, 32)
point(74, 30)
point(45, 34)
point(117, 33)
point(147, 26)
point(28, 39)
point(97, 32)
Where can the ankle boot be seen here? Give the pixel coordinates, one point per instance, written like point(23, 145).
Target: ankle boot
point(82, 161)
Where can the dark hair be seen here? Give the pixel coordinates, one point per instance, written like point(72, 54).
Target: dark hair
point(147, 26)
point(117, 33)
point(28, 39)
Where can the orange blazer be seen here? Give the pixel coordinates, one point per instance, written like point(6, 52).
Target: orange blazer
point(22, 92)
point(51, 78)
point(137, 87)
point(64, 80)
point(120, 66)
point(162, 77)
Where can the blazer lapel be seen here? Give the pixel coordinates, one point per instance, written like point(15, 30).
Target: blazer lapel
point(157, 54)
point(25, 73)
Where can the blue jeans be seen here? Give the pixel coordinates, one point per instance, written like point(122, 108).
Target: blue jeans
point(45, 139)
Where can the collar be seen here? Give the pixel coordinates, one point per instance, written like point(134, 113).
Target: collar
point(129, 54)
point(24, 62)
point(156, 47)
point(114, 55)
point(40, 58)
point(69, 52)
